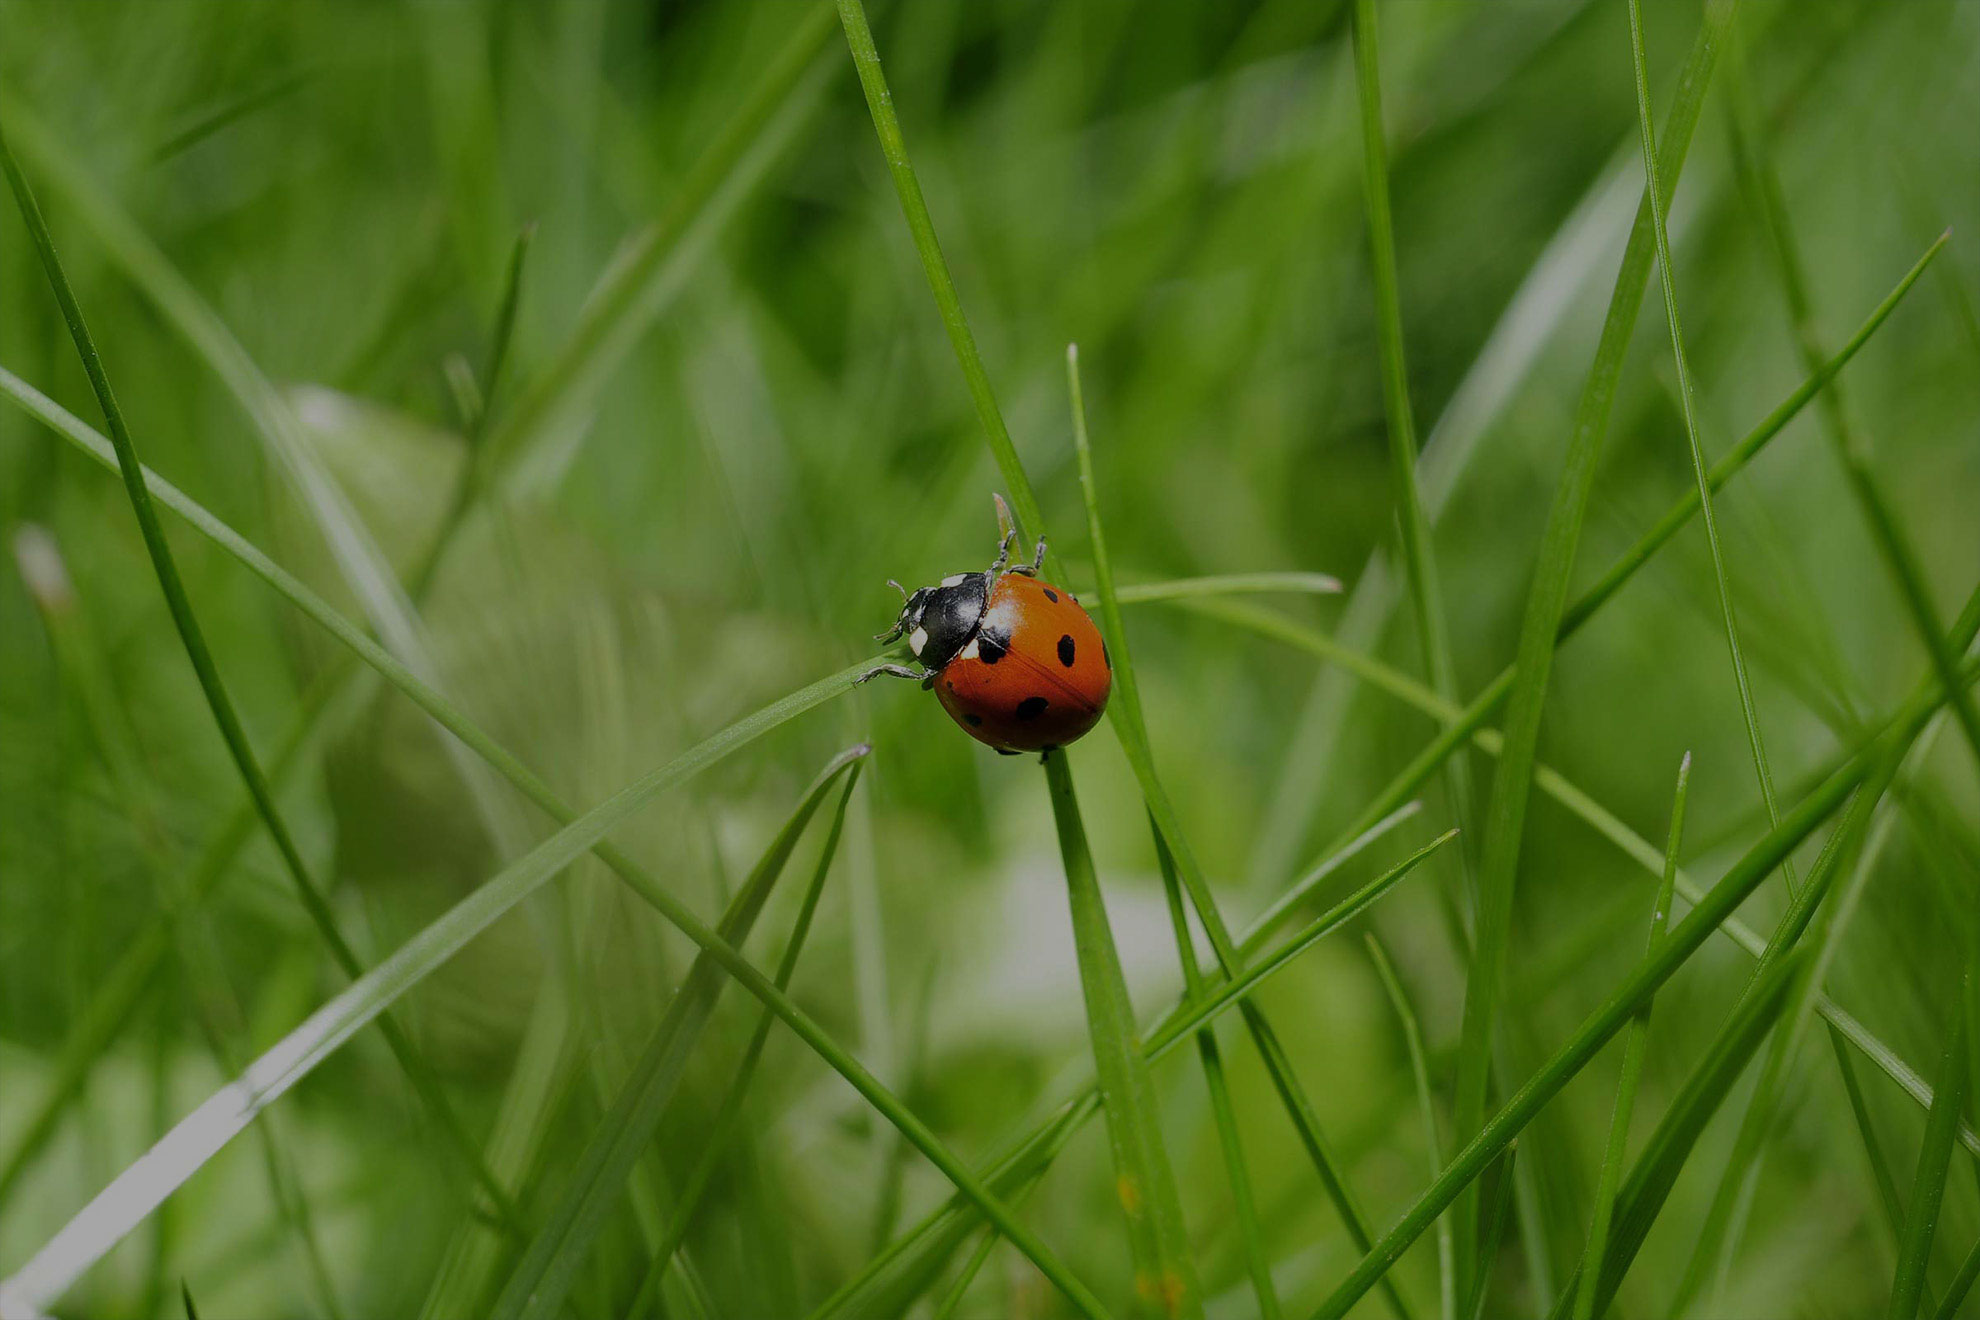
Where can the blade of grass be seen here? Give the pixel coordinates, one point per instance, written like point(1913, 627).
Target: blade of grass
point(1433, 1145)
point(1032, 1154)
point(730, 1112)
point(1928, 1186)
point(1130, 727)
point(1029, 521)
point(542, 1279)
point(1962, 1284)
point(1496, 1198)
point(1506, 810)
point(1632, 1070)
point(1165, 1277)
point(1256, 1259)
point(1735, 887)
point(219, 703)
point(1426, 592)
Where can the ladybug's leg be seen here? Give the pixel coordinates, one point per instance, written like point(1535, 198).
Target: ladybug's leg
point(1037, 561)
point(892, 671)
point(1003, 554)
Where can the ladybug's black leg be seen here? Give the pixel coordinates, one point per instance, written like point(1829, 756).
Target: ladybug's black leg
point(892, 671)
point(1003, 554)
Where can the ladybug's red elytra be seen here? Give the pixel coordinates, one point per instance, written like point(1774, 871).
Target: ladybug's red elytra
point(1015, 661)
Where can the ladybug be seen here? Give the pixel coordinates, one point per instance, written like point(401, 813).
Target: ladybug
point(1015, 661)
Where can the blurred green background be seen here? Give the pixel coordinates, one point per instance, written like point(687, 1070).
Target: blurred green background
point(780, 427)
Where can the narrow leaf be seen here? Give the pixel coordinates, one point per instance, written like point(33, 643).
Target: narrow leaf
point(1928, 1185)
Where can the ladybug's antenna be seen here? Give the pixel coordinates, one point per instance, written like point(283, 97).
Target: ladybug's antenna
point(898, 587)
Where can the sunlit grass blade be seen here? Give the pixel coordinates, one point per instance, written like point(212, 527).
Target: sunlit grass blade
point(1433, 1145)
point(541, 1282)
point(1505, 819)
point(1257, 1259)
point(1928, 1186)
point(532, 441)
point(1164, 1276)
point(730, 1113)
point(214, 690)
point(1131, 727)
point(1495, 1205)
point(1734, 887)
point(1634, 1045)
point(1670, 1147)
point(1229, 584)
point(921, 1250)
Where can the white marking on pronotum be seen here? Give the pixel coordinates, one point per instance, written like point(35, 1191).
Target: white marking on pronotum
point(954, 579)
point(968, 652)
point(917, 639)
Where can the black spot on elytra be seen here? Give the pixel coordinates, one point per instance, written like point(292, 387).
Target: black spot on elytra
point(990, 647)
point(1066, 650)
point(1031, 708)
point(1051, 595)
point(973, 721)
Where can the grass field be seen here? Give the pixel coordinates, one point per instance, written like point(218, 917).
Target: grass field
point(447, 869)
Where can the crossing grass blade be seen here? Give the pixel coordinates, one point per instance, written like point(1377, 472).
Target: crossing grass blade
point(1962, 1284)
point(1165, 1277)
point(1496, 1199)
point(1734, 887)
point(1131, 728)
point(1546, 598)
point(1433, 1145)
point(541, 1283)
point(1634, 1044)
point(1257, 1259)
point(1928, 1186)
point(919, 1252)
point(219, 703)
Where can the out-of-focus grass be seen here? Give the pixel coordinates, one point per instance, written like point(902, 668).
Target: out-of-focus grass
point(767, 425)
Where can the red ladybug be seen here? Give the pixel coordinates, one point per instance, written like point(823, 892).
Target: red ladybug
point(1015, 661)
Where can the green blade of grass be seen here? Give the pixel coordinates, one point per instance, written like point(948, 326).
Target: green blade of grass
point(185, 1296)
point(1734, 887)
point(542, 1279)
point(946, 1308)
point(1230, 1141)
point(1419, 1067)
point(218, 702)
point(1547, 596)
point(730, 1112)
point(1962, 1284)
point(1030, 522)
point(1229, 584)
point(930, 1241)
point(1632, 1070)
point(1131, 728)
point(1496, 1198)
point(1664, 1156)
point(1601, 820)
point(1928, 1186)
point(1164, 1276)
point(1420, 573)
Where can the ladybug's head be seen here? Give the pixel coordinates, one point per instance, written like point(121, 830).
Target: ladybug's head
point(938, 621)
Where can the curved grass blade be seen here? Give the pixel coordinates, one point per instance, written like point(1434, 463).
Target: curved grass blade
point(219, 703)
point(1165, 1278)
point(542, 1280)
point(1433, 1145)
point(1734, 888)
point(730, 1112)
point(1928, 1187)
point(1634, 1046)
point(1546, 598)
point(1131, 728)
point(1229, 1139)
